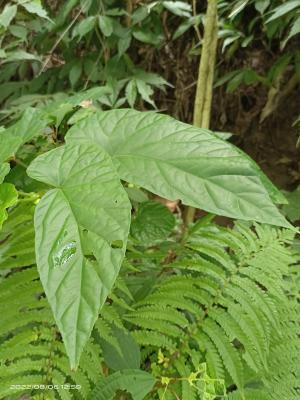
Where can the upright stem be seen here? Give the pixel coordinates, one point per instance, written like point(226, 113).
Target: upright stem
point(206, 66)
point(204, 91)
point(129, 9)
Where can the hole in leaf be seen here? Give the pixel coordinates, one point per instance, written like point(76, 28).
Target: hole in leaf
point(64, 254)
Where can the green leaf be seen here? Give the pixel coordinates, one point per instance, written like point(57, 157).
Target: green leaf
point(21, 55)
point(250, 77)
point(77, 224)
point(60, 113)
point(140, 14)
point(179, 161)
point(18, 31)
point(240, 5)
point(136, 194)
point(126, 356)
point(235, 82)
point(145, 91)
point(30, 125)
point(295, 30)
point(151, 78)
point(131, 92)
point(8, 197)
point(106, 25)
point(153, 222)
point(147, 36)
point(116, 12)
point(278, 67)
point(247, 40)
point(179, 8)
point(292, 210)
point(80, 114)
point(35, 7)
point(75, 73)
point(84, 27)
point(185, 25)
point(86, 5)
point(76, 100)
point(7, 15)
point(229, 40)
point(4, 170)
point(283, 9)
point(64, 11)
point(137, 382)
point(8, 146)
point(226, 77)
point(262, 5)
point(123, 44)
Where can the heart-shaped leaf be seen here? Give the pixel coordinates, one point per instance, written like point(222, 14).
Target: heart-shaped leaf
point(81, 232)
point(179, 161)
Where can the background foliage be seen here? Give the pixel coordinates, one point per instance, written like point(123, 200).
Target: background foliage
point(148, 54)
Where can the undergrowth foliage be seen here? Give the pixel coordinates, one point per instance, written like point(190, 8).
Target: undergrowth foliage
point(83, 211)
point(32, 352)
point(199, 313)
point(224, 302)
point(221, 315)
point(105, 294)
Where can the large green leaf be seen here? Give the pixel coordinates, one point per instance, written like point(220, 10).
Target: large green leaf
point(138, 383)
point(179, 161)
point(81, 232)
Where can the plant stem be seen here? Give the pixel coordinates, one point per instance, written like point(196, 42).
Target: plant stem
point(206, 67)
point(129, 9)
point(204, 91)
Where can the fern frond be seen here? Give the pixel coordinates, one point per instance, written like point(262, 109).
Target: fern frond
point(32, 352)
point(227, 351)
point(230, 287)
point(188, 392)
point(155, 339)
point(248, 394)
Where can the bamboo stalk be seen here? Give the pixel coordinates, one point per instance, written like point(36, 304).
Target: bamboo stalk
point(204, 91)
